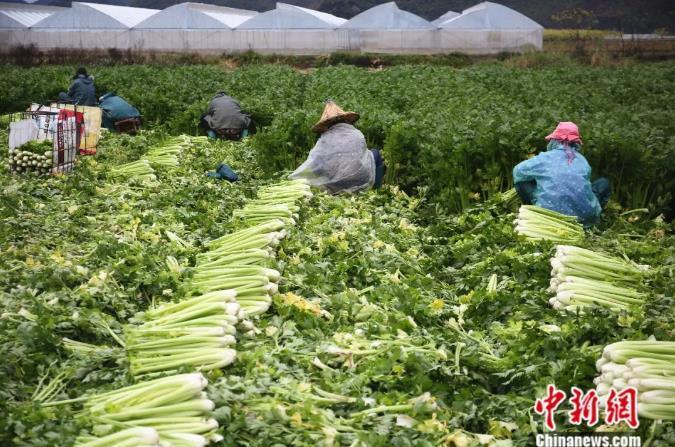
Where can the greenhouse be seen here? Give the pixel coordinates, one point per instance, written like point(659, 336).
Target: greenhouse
point(290, 29)
point(489, 28)
point(16, 18)
point(88, 26)
point(486, 28)
point(386, 28)
point(190, 26)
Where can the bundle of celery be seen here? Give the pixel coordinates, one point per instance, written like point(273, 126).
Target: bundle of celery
point(648, 366)
point(166, 155)
point(131, 437)
point(176, 407)
point(276, 201)
point(582, 263)
point(196, 333)
point(136, 170)
point(253, 284)
point(535, 223)
point(582, 278)
point(238, 260)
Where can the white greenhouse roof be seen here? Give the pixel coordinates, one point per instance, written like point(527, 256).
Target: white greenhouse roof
point(447, 16)
point(23, 15)
point(196, 16)
point(292, 17)
point(488, 15)
point(96, 16)
point(10, 18)
point(386, 16)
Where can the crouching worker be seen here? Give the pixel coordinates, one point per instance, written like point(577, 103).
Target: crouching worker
point(82, 91)
point(224, 119)
point(559, 179)
point(340, 160)
point(118, 115)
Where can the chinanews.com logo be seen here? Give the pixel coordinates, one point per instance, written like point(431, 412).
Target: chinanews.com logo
point(620, 406)
point(588, 440)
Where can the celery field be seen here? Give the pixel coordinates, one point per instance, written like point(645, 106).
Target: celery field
point(143, 303)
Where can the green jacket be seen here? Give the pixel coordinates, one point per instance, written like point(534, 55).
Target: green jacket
point(116, 109)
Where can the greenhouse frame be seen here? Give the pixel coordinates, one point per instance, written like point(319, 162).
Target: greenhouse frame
point(486, 28)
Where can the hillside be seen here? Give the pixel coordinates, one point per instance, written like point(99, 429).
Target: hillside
point(641, 16)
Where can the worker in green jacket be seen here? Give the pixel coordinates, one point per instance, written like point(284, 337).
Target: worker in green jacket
point(116, 110)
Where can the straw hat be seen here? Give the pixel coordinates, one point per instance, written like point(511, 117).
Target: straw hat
point(332, 113)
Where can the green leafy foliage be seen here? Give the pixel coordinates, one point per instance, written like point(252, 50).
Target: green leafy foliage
point(457, 132)
point(398, 323)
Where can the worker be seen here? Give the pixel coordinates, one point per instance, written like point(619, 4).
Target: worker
point(119, 115)
point(340, 160)
point(224, 119)
point(559, 179)
point(82, 91)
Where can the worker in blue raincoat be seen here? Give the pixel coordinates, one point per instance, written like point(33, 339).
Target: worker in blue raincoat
point(560, 178)
point(82, 91)
point(115, 110)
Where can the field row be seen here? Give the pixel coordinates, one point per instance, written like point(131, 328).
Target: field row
point(454, 134)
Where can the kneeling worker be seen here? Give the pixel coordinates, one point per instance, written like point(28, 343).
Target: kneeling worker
point(119, 115)
point(225, 119)
point(340, 160)
point(559, 179)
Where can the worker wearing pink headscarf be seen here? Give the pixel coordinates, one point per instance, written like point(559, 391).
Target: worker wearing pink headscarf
point(560, 178)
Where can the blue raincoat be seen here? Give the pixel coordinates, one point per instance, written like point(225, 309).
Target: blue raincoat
point(563, 182)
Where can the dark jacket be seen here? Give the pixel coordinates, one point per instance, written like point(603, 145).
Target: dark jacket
point(225, 113)
point(116, 109)
point(82, 91)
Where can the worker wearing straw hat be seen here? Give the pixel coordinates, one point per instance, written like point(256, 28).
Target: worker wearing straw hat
point(559, 179)
point(340, 160)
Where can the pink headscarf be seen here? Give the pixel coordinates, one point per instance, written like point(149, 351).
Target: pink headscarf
point(566, 131)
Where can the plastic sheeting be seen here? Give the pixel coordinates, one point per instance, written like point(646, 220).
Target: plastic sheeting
point(393, 41)
point(92, 16)
point(284, 41)
point(490, 16)
point(339, 162)
point(206, 41)
point(24, 15)
point(445, 17)
point(196, 16)
point(386, 16)
point(84, 39)
point(20, 18)
point(286, 17)
point(489, 41)
point(487, 28)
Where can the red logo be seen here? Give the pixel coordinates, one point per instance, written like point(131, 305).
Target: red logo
point(547, 406)
point(584, 407)
point(622, 407)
